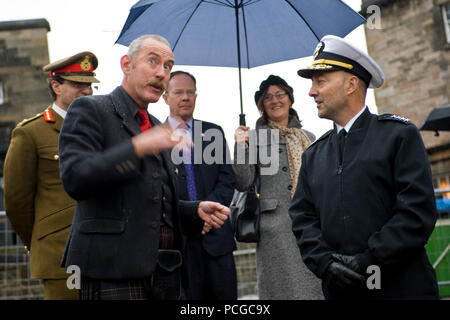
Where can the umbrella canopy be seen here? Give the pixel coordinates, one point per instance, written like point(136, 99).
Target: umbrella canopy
point(239, 33)
point(438, 119)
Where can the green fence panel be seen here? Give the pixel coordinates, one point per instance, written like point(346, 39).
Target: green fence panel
point(438, 242)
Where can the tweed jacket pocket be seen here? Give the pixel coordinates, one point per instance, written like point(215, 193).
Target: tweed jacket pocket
point(102, 226)
point(268, 204)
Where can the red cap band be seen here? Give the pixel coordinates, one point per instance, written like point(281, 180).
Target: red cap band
point(83, 66)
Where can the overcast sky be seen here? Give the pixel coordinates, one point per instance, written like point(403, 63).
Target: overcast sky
point(94, 25)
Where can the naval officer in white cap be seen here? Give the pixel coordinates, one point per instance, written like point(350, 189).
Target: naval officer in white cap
point(366, 195)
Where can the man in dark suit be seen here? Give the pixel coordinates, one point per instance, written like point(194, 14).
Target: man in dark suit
point(115, 162)
point(204, 174)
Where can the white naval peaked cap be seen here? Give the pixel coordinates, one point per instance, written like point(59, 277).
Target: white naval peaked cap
point(334, 53)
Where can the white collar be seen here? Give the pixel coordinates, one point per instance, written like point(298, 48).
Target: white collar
point(350, 123)
point(59, 111)
point(174, 123)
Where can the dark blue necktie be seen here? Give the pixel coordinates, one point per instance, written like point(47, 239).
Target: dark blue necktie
point(341, 143)
point(189, 167)
point(190, 179)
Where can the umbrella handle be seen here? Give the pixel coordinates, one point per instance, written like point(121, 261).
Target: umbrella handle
point(242, 119)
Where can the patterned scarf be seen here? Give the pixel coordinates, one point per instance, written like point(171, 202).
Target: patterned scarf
point(297, 142)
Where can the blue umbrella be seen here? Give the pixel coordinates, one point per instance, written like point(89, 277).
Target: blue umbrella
point(239, 33)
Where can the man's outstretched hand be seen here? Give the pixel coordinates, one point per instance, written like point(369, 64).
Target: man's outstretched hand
point(213, 213)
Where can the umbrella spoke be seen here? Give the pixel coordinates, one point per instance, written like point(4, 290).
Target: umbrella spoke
point(185, 25)
point(218, 2)
point(249, 2)
point(303, 18)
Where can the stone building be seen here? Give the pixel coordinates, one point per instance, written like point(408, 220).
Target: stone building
point(412, 46)
point(23, 85)
point(23, 93)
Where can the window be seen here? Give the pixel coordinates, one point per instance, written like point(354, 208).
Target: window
point(2, 95)
point(446, 17)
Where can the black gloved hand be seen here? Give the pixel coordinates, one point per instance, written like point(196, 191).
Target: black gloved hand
point(341, 282)
point(341, 277)
point(350, 262)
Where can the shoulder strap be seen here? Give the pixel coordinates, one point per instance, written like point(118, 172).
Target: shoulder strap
point(393, 117)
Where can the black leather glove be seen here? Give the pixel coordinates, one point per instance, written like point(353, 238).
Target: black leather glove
point(358, 263)
point(350, 262)
point(341, 277)
point(341, 282)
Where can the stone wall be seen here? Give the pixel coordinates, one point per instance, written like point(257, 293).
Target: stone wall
point(412, 50)
point(23, 53)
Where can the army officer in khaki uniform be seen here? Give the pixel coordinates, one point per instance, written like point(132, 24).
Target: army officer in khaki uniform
point(36, 204)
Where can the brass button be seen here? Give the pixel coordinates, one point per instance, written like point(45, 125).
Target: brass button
point(56, 157)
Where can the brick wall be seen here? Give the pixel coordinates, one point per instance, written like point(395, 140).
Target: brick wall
point(23, 53)
point(411, 49)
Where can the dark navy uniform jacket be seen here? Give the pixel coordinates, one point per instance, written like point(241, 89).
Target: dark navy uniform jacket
point(378, 202)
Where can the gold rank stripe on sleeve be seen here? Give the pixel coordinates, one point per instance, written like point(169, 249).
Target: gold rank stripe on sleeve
point(48, 116)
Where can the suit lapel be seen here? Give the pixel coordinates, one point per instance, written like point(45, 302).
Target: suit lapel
point(122, 111)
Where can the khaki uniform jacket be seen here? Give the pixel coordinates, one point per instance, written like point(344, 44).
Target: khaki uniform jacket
point(39, 209)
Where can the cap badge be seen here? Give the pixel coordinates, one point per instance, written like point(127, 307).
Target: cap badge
point(319, 48)
point(85, 64)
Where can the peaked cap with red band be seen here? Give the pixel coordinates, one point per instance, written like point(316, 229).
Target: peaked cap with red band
point(78, 68)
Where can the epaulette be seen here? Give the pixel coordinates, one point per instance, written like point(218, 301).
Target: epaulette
point(393, 117)
point(326, 134)
point(25, 121)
